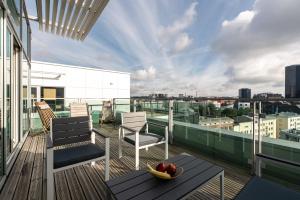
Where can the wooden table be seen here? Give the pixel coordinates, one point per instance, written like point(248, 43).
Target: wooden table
point(142, 185)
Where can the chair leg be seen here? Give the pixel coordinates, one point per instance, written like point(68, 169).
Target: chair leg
point(106, 159)
point(137, 158)
point(137, 151)
point(120, 143)
point(93, 141)
point(50, 175)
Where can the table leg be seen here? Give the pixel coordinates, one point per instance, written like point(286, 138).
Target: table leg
point(222, 185)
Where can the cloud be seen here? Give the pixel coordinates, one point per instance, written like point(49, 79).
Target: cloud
point(183, 41)
point(176, 31)
point(257, 44)
point(144, 74)
point(181, 24)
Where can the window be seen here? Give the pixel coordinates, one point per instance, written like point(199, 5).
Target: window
point(54, 96)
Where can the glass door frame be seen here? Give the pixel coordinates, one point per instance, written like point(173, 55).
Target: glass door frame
point(15, 93)
point(2, 135)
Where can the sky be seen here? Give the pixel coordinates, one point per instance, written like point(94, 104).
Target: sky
point(203, 47)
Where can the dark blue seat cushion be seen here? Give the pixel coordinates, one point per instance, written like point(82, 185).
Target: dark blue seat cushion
point(73, 155)
point(144, 139)
point(261, 189)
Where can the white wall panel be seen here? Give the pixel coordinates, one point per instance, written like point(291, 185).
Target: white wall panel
point(82, 82)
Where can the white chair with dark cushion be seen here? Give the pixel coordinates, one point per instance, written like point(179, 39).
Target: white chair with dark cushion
point(70, 144)
point(134, 130)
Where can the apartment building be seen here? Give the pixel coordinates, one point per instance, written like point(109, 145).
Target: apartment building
point(244, 124)
point(219, 122)
point(287, 121)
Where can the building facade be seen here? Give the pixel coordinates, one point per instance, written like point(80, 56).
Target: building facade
point(243, 105)
point(245, 93)
point(58, 84)
point(244, 124)
point(219, 122)
point(15, 65)
point(292, 81)
point(287, 121)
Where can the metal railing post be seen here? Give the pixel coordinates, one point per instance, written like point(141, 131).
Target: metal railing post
point(253, 139)
point(171, 124)
point(134, 105)
point(258, 161)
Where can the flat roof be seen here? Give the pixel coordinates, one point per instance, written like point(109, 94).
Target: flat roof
point(78, 67)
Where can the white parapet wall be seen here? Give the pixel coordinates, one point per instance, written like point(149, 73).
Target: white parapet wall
point(80, 82)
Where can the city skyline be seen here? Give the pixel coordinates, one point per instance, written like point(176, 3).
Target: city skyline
point(212, 48)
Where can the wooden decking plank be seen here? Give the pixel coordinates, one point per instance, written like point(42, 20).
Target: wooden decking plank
point(74, 185)
point(12, 181)
point(87, 186)
point(96, 180)
point(61, 186)
point(36, 186)
point(24, 181)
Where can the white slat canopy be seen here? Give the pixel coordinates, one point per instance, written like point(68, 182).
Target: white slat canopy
point(70, 18)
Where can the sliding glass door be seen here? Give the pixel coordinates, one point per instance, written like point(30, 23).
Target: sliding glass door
point(8, 95)
point(12, 94)
point(2, 160)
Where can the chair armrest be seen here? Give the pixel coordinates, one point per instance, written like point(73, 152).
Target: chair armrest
point(49, 142)
point(98, 133)
point(129, 129)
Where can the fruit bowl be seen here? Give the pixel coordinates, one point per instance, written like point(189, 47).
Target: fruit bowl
point(163, 174)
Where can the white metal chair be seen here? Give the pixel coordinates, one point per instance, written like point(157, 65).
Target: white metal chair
point(79, 109)
point(77, 138)
point(132, 124)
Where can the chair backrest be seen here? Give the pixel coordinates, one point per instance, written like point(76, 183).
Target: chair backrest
point(79, 109)
point(45, 113)
point(70, 130)
point(107, 112)
point(134, 120)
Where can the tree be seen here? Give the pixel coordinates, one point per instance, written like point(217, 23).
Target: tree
point(243, 111)
point(230, 112)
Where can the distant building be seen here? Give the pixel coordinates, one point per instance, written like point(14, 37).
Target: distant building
point(292, 81)
point(219, 122)
point(291, 135)
point(244, 124)
point(270, 107)
point(245, 93)
point(267, 96)
point(181, 95)
point(243, 105)
point(158, 96)
point(287, 121)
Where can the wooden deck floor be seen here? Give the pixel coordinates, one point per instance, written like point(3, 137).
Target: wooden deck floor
point(27, 179)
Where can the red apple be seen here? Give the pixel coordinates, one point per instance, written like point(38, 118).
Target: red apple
point(171, 169)
point(161, 167)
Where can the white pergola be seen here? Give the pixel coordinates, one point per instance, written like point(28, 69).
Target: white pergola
point(69, 18)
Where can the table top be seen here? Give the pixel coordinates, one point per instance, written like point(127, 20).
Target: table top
point(142, 185)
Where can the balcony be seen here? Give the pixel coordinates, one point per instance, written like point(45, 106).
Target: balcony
point(27, 178)
point(228, 149)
